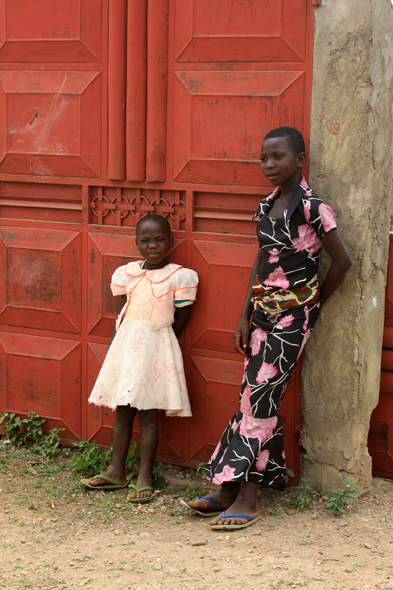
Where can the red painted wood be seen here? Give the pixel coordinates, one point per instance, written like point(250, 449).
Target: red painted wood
point(136, 89)
point(93, 93)
point(157, 80)
point(380, 440)
point(117, 65)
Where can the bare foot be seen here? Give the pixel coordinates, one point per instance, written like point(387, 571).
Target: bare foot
point(225, 495)
point(112, 473)
point(144, 480)
point(245, 503)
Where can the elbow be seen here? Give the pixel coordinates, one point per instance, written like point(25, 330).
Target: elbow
point(345, 265)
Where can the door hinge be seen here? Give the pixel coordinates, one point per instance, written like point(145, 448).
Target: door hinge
point(300, 437)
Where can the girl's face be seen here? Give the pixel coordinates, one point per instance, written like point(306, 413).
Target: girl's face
point(279, 163)
point(154, 243)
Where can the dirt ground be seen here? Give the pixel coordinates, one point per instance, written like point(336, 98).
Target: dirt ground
point(55, 535)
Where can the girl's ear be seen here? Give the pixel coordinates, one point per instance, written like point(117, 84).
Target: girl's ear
point(301, 159)
point(171, 240)
point(136, 242)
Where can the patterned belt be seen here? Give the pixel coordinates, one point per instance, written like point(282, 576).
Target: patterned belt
point(271, 300)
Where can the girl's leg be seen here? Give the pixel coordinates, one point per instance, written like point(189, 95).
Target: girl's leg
point(122, 434)
point(148, 421)
point(245, 503)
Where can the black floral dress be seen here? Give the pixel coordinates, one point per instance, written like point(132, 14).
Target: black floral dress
point(252, 447)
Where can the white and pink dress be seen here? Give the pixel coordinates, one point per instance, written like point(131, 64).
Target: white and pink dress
point(144, 366)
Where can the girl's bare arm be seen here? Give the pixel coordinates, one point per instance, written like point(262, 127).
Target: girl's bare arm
point(340, 264)
point(240, 337)
point(182, 315)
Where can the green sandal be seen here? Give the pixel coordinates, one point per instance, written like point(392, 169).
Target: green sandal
point(113, 484)
point(137, 500)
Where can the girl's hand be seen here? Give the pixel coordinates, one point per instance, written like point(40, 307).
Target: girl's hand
point(240, 337)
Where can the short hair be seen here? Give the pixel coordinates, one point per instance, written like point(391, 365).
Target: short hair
point(294, 138)
point(154, 217)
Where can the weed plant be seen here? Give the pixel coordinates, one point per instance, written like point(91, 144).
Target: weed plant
point(27, 432)
point(341, 497)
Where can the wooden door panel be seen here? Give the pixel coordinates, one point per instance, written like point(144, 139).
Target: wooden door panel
point(233, 31)
point(220, 266)
point(206, 147)
point(59, 31)
point(43, 375)
point(215, 398)
point(43, 287)
point(50, 123)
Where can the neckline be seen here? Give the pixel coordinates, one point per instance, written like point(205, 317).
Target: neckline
point(292, 203)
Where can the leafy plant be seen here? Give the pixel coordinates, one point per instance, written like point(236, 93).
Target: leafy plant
point(302, 501)
point(306, 488)
point(90, 459)
point(28, 432)
point(341, 497)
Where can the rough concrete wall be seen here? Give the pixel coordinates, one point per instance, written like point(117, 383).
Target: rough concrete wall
point(350, 168)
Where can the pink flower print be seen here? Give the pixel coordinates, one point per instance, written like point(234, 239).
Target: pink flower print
point(257, 337)
point(306, 313)
point(307, 240)
point(327, 217)
point(307, 211)
point(285, 322)
point(306, 336)
point(277, 278)
point(273, 256)
point(262, 460)
point(274, 194)
point(234, 426)
point(260, 428)
point(214, 455)
point(273, 317)
point(267, 371)
point(227, 474)
point(283, 456)
point(245, 404)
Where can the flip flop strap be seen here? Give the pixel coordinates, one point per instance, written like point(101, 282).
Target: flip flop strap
point(236, 516)
point(210, 500)
point(143, 489)
point(109, 479)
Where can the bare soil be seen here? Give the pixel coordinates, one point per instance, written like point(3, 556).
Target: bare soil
point(55, 535)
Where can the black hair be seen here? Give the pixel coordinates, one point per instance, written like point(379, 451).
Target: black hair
point(294, 138)
point(156, 218)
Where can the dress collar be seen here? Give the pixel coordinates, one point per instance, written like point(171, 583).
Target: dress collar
point(135, 269)
point(267, 201)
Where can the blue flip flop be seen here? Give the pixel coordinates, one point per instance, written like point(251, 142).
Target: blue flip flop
point(199, 512)
point(233, 527)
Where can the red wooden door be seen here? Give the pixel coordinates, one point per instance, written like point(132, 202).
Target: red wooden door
point(110, 111)
point(380, 440)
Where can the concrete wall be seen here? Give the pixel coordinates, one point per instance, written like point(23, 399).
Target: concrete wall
point(350, 168)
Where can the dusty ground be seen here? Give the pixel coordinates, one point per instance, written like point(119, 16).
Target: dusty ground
point(54, 535)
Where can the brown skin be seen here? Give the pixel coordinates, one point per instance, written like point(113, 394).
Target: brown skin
point(284, 169)
point(154, 244)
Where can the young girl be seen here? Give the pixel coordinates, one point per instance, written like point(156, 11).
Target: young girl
point(284, 300)
point(143, 370)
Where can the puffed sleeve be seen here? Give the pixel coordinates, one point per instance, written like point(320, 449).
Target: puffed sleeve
point(319, 215)
point(186, 287)
point(118, 282)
